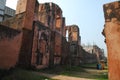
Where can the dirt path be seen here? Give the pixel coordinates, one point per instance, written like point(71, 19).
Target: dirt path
point(60, 77)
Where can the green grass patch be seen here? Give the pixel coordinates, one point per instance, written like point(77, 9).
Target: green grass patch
point(89, 65)
point(62, 70)
point(103, 76)
point(78, 71)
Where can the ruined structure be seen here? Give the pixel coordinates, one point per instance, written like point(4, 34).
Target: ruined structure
point(93, 54)
point(24, 23)
point(112, 38)
point(87, 58)
point(74, 41)
point(36, 37)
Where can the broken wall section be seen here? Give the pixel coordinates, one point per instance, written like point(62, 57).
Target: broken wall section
point(15, 22)
point(112, 38)
point(74, 44)
point(41, 46)
point(50, 15)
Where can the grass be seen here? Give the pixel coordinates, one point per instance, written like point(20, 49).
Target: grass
point(88, 71)
point(20, 74)
point(89, 65)
point(100, 74)
point(62, 70)
point(75, 71)
point(102, 77)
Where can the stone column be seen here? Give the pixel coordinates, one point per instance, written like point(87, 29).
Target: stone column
point(112, 38)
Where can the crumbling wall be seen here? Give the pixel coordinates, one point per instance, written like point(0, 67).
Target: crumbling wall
point(74, 40)
point(26, 49)
point(15, 22)
point(65, 52)
point(50, 15)
point(112, 38)
point(73, 33)
point(23, 21)
point(41, 46)
point(34, 50)
point(63, 27)
point(10, 42)
point(58, 47)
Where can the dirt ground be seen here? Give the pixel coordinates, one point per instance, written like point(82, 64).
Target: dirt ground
point(88, 74)
point(61, 77)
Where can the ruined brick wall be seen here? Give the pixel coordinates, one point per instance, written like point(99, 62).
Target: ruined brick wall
point(27, 6)
point(15, 22)
point(10, 42)
point(58, 41)
point(65, 52)
point(87, 57)
point(24, 22)
point(21, 6)
point(26, 12)
point(74, 41)
point(45, 15)
point(63, 27)
point(40, 49)
point(26, 48)
point(58, 47)
point(73, 37)
point(99, 53)
point(73, 33)
point(50, 15)
point(33, 49)
point(112, 38)
point(59, 19)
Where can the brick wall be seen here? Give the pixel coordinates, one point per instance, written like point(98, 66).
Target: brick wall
point(10, 42)
point(112, 38)
point(26, 48)
point(15, 22)
point(41, 46)
point(58, 48)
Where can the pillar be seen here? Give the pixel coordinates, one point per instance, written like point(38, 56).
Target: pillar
point(112, 38)
point(28, 8)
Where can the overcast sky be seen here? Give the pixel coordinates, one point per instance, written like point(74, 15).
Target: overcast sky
point(87, 14)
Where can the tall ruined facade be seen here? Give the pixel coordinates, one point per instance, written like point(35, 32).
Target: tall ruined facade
point(112, 38)
point(50, 15)
point(40, 30)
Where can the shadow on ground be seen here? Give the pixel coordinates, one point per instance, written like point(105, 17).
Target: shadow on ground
point(79, 71)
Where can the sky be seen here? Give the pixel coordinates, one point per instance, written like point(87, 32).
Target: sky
point(87, 14)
